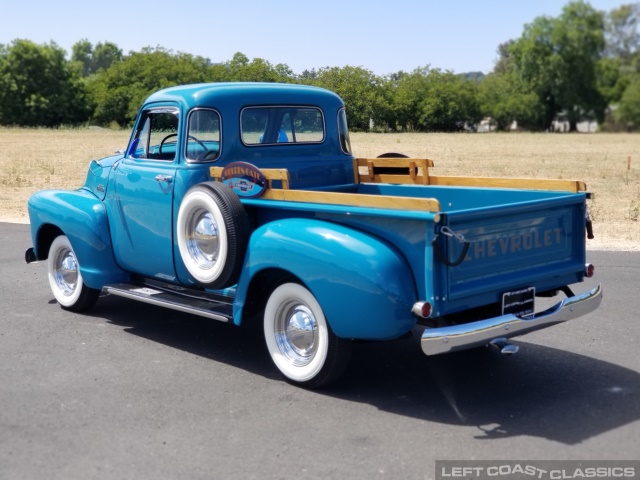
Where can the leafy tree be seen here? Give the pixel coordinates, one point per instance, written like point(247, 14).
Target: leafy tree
point(505, 60)
point(450, 104)
point(92, 60)
point(309, 75)
point(38, 87)
point(558, 58)
point(621, 32)
point(283, 73)
point(82, 54)
point(104, 55)
point(409, 90)
point(241, 69)
point(118, 92)
point(505, 98)
point(432, 100)
point(612, 80)
point(618, 70)
point(627, 111)
point(360, 89)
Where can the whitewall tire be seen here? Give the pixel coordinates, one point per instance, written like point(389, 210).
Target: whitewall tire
point(299, 339)
point(65, 279)
point(212, 233)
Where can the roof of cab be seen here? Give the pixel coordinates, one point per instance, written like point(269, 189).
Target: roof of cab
point(246, 93)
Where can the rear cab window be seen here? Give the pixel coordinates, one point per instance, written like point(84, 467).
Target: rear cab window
point(276, 125)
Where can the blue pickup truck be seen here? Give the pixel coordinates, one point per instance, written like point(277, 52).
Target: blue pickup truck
point(237, 201)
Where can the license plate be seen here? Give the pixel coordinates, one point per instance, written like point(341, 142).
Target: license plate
point(520, 303)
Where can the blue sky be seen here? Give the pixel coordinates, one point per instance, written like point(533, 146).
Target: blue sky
point(382, 36)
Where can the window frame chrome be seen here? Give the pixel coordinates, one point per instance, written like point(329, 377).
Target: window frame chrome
point(144, 115)
point(342, 113)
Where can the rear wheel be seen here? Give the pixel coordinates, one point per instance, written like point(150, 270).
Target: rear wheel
point(65, 278)
point(299, 339)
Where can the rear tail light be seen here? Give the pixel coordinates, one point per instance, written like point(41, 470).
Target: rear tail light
point(589, 270)
point(421, 309)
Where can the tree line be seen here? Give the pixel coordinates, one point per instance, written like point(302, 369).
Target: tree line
point(582, 65)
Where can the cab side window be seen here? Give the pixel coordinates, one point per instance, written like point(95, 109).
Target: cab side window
point(203, 136)
point(156, 135)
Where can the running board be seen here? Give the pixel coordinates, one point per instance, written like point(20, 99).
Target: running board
point(216, 307)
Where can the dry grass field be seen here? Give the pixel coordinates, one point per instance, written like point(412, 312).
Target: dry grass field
point(34, 159)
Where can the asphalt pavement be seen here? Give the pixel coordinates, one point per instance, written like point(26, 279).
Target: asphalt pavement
point(132, 391)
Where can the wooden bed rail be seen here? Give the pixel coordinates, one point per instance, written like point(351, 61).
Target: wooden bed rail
point(415, 171)
point(392, 170)
point(388, 202)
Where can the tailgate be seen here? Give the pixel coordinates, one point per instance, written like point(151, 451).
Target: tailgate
point(539, 243)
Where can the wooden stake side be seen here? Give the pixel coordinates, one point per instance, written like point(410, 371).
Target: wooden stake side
point(573, 186)
point(354, 200)
point(389, 170)
point(413, 171)
point(336, 198)
point(385, 170)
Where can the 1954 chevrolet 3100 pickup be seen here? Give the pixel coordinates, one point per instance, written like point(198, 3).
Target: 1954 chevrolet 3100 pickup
point(236, 201)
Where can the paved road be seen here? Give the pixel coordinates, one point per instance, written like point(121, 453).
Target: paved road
point(136, 392)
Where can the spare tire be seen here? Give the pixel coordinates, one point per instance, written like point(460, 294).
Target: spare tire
point(212, 233)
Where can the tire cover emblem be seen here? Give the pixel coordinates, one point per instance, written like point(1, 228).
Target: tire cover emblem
point(245, 179)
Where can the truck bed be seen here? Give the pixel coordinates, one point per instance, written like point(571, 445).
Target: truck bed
point(516, 239)
point(467, 245)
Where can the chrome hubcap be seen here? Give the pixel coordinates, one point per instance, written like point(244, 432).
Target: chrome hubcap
point(66, 271)
point(296, 331)
point(203, 239)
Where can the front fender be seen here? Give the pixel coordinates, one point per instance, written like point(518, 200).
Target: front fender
point(82, 218)
point(363, 284)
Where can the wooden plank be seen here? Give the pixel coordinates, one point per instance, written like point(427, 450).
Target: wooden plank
point(573, 186)
point(281, 174)
point(394, 179)
point(381, 170)
point(354, 200)
point(371, 170)
point(392, 162)
point(336, 198)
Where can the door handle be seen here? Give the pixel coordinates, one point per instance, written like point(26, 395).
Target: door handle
point(164, 178)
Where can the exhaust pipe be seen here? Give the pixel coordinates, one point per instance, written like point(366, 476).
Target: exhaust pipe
point(504, 347)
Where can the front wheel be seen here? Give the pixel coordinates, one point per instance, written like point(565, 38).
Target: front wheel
point(299, 339)
point(65, 278)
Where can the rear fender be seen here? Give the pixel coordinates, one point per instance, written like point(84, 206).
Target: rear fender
point(82, 218)
point(363, 284)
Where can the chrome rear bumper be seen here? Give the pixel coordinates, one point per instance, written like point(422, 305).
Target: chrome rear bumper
point(461, 337)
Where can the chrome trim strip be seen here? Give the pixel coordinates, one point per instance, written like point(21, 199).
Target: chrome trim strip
point(148, 298)
point(461, 337)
